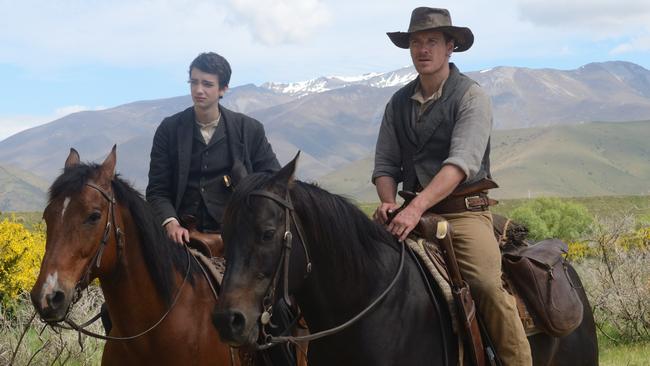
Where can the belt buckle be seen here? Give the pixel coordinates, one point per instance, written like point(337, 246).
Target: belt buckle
point(470, 207)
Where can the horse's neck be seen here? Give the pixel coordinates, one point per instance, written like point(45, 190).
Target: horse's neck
point(130, 293)
point(330, 286)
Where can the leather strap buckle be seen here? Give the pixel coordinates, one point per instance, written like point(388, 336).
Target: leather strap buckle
point(476, 203)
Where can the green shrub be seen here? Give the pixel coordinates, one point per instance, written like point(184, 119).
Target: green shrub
point(553, 218)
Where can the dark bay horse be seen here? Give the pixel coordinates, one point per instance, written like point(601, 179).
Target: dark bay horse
point(98, 226)
point(352, 260)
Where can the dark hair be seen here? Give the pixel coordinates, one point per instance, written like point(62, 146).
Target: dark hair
point(448, 37)
point(215, 64)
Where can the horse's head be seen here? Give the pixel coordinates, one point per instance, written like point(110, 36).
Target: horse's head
point(255, 226)
point(80, 217)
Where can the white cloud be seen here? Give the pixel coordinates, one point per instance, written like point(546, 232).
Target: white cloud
point(275, 22)
point(600, 16)
point(117, 32)
point(293, 40)
point(156, 32)
point(637, 44)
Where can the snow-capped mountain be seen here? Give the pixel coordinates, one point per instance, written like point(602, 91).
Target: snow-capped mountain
point(326, 83)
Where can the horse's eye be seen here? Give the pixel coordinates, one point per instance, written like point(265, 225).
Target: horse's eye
point(93, 218)
point(268, 235)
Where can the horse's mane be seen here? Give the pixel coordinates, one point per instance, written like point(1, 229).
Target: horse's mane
point(349, 237)
point(161, 255)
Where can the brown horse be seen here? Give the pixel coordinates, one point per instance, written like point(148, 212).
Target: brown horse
point(98, 226)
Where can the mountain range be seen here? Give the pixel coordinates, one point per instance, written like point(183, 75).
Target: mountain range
point(334, 120)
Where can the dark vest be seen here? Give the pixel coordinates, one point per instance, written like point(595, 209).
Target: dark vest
point(205, 195)
point(425, 143)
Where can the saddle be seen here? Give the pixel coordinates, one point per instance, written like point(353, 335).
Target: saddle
point(209, 244)
point(536, 275)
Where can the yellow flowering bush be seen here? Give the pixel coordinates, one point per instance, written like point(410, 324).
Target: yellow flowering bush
point(21, 253)
point(579, 250)
point(639, 239)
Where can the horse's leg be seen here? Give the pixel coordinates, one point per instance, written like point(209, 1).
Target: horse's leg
point(543, 347)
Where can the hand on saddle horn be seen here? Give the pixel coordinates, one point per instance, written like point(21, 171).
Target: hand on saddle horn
point(405, 221)
point(384, 211)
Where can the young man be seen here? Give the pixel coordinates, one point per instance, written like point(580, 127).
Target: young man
point(193, 152)
point(191, 158)
point(435, 138)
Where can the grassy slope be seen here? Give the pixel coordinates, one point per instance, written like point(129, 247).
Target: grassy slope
point(21, 190)
point(591, 159)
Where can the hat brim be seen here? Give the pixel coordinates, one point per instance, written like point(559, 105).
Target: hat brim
point(463, 37)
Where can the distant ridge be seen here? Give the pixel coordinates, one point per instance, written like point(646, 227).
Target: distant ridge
point(590, 159)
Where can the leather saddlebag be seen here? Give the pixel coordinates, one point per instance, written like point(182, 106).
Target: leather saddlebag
point(540, 275)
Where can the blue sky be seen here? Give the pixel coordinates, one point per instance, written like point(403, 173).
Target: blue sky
point(57, 57)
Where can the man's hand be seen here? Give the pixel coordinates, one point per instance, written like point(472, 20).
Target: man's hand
point(177, 233)
point(381, 213)
point(405, 221)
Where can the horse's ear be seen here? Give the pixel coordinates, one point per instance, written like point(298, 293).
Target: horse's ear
point(238, 172)
point(108, 166)
point(287, 174)
point(73, 159)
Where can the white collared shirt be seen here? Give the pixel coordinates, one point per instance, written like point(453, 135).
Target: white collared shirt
point(207, 129)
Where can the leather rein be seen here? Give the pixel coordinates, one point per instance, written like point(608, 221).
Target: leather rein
point(97, 258)
point(283, 265)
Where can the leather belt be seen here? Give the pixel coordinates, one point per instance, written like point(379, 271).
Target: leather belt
point(457, 204)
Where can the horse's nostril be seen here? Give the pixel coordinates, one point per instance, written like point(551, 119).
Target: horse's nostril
point(237, 321)
point(55, 299)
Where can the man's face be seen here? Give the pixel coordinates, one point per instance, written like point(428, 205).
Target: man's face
point(429, 51)
point(205, 89)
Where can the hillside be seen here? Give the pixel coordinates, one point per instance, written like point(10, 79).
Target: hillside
point(21, 190)
point(590, 159)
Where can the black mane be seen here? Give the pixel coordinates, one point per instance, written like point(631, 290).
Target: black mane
point(347, 235)
point(161, 255)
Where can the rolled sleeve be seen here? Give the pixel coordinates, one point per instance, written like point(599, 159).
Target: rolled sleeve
point(471, 132)
point(388, 157)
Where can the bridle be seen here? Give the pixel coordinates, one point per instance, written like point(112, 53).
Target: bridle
point(283, 265)
point(269, 298)
point(97, 258)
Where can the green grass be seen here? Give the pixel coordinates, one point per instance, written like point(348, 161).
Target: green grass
point(635, 354)
point(639, 206)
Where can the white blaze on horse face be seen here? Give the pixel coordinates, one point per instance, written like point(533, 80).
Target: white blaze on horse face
point(48, 287)
point(66, 201)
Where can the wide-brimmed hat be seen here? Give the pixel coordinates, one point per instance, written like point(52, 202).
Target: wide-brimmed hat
point(424, 18)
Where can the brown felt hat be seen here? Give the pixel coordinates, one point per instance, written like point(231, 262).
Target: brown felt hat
point(424, 18)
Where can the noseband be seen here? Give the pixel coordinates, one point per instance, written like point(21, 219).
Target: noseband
point(269, 299)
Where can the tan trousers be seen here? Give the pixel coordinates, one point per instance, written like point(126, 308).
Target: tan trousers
point(479, 260)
